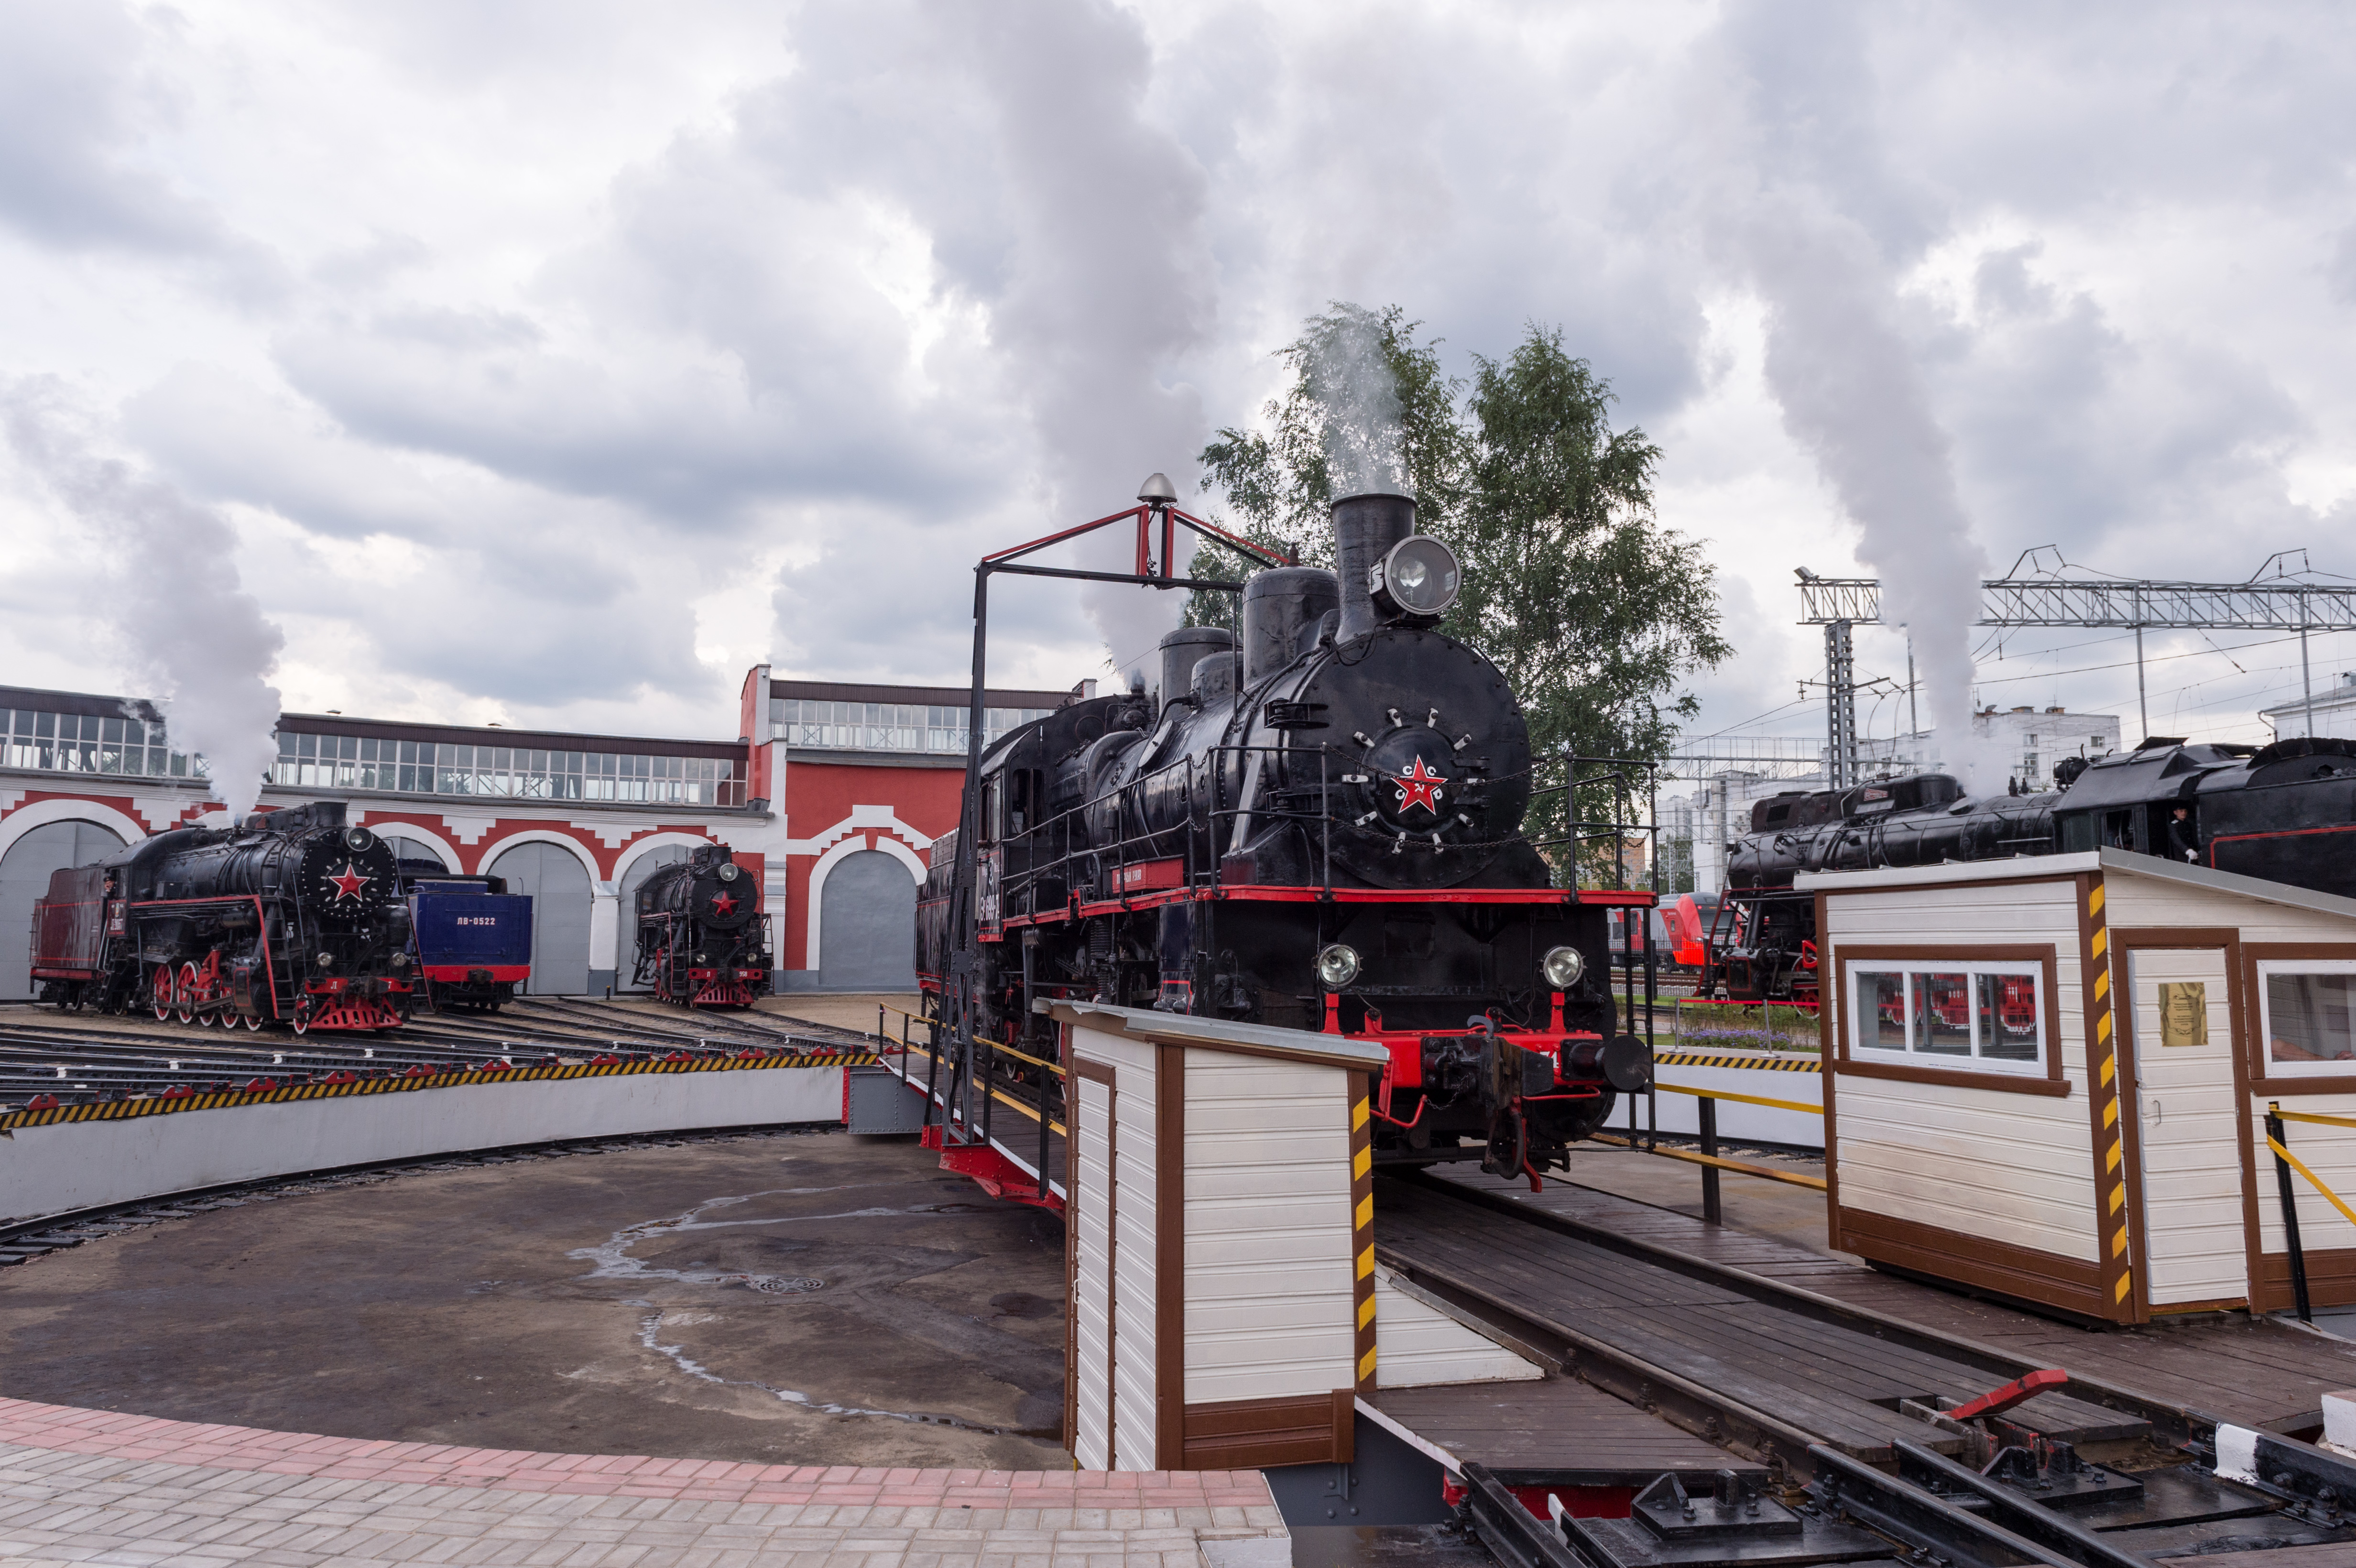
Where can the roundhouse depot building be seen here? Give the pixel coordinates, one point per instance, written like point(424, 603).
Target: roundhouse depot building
point(833, 793)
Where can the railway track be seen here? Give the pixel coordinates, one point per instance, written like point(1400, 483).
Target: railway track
point(44, 1058)
point(1845, 1408)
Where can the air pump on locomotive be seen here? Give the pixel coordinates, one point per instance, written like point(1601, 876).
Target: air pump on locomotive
point(294, 917)
point(1320, 830)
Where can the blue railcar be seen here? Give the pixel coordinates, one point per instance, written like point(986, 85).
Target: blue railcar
point(472, 940)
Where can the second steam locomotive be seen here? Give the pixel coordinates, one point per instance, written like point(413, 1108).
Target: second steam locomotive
point(702, 939)
point(295, 917)
point(2285, 811)
point(1322, 829)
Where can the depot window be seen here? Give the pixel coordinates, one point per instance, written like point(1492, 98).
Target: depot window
point(2308, 1012)
point(1982, 1016)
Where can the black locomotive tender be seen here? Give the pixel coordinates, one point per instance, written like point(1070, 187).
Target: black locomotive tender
point(2285, 811)
point(294, 917)
point(702, 939)
point(1322, 830)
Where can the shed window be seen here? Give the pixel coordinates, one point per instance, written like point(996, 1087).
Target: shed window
point(2310, 1016)
point(1976, 1016)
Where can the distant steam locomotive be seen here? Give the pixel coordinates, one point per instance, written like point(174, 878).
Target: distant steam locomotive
point(293, 917)
point(702, 939)
point(2285, 813)
point(1322, 830)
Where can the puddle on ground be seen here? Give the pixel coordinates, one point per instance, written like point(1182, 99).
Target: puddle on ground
point(613, 1262)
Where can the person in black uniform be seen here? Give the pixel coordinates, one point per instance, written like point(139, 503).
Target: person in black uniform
point(2182, 840)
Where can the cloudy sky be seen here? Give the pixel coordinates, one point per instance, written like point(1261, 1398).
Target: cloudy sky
point(550, 361)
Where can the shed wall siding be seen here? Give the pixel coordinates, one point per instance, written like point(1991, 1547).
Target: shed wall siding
point(1268, 1281)
point(1134, 1390)
point(1420, 1346)
point(2146, 901)
point(1092, 1279)
point(2016, 1168)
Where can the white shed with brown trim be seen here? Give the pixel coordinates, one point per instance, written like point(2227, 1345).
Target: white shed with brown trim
point(2049, 1078)
point(1220, 1250)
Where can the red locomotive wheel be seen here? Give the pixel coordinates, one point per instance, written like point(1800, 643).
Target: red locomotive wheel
point(253, 1023)
point(301, 1022)
point(160, 991)
point(184, 994)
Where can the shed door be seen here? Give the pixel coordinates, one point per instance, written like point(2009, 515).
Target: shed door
point(2183, 1042)
point(558, 886)
point(25, 879)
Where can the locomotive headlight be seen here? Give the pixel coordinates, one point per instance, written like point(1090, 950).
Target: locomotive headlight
point(358, 839)
point(1337, 965)
point(326, 960)
point(1562, 968)
point(1420, 576)
point(728, 872)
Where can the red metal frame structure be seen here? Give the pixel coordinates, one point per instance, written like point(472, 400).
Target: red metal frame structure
point(1156, 511)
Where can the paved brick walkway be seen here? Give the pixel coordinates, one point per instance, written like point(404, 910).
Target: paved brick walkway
point(98, 1487)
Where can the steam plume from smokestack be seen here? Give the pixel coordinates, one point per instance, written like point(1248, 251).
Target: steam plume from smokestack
point(1851, 394)
point(191, 636)
point(1352, 382)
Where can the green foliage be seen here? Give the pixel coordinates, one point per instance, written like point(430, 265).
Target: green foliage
point(1591, 609)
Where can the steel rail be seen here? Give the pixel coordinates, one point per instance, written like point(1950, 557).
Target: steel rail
point(2170, 1422)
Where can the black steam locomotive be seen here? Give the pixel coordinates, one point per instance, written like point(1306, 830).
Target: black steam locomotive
point(2285, 811)
point(1321, 830)
point(702, 939)
point(294, 917)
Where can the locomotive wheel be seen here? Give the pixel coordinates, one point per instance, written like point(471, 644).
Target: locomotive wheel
point(253, 1023)
point(161, 991)
point(184, 994)
point(301, 1022)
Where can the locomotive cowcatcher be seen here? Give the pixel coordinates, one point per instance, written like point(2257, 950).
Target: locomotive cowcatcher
point(702, 939)
point(293, 917)
point(1321, 830)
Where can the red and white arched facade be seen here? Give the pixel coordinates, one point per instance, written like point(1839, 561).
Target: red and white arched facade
point(804, 809)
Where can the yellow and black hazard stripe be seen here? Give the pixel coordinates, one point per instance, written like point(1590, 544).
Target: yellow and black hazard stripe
point(166, 1104)
point(1795, 1062)
point(2110, 1144)
point(1362, 1228)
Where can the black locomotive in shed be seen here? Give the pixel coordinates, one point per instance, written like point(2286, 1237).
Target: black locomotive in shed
point(702, 939)
point(294, 917)
point(2285, 813)
point(1320, 830)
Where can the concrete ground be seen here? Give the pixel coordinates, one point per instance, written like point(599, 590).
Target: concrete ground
point(848, 1010)
point(810, 1298)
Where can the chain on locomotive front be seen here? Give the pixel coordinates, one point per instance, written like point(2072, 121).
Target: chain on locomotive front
point(1320, 830)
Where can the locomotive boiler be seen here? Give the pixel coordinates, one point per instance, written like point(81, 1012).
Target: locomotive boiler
point(2285, 813)
point(1321, 828)
point(294, 917)
point(702, 939)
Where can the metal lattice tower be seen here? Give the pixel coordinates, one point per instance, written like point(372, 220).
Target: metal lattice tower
point(1840, 705)
point(1837, 603)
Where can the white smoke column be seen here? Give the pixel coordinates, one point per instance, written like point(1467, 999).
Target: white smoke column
point(1794, 218)
point(1110, 284)
point(168, 588)
point(1354, 388)
point(1851, 394)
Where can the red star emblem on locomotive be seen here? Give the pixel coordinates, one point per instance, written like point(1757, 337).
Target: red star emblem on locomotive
point(724, 905)
point(348, 882)
point(1420, 787)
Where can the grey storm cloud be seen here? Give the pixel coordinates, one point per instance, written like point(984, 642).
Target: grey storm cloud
point(615, 358)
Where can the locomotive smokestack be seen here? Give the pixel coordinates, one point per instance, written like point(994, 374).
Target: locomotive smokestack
point(1365, 530)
